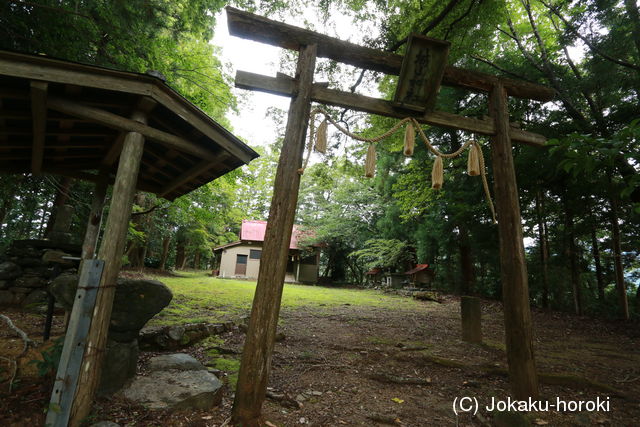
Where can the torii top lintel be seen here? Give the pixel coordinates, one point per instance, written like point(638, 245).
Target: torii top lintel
point(261, 29)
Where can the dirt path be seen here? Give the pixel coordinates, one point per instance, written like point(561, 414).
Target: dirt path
point(339, 364)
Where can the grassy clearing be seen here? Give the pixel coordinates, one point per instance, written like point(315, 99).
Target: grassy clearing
point(198, 297)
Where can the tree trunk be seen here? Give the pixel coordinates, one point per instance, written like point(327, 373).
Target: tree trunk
point(571, 254)
point(185, 257)
point(617, 259)
point(7, 204)
point(136, 251)
point(595, 250)
point(180, 253)
point(165, 251)
point(449, 273)
point(256, 356)
point(31, 207)
point(196, 260)
point(143, 254)
point(543, 244)
point(41, 230)
point(513, 268)
point(466, 263)
point(62, 196)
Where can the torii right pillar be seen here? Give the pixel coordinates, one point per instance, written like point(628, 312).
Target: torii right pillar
point(513, 267)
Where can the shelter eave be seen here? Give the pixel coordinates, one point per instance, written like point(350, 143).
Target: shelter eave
point(70, 119)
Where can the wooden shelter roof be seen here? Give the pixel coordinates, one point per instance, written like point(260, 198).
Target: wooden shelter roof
point(70, 119)
point(418, 268)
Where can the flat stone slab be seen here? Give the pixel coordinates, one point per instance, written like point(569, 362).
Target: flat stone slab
point(105, 424)
point(175, 390)
point(178, 361)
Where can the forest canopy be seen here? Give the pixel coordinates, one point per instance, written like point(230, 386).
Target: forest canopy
point(579, 196)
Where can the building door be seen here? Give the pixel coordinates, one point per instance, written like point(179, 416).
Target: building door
point(241, 265)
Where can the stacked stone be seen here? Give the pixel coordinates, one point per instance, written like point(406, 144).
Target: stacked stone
point(27, 268)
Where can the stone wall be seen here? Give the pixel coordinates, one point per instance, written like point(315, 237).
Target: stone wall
point(28, 266)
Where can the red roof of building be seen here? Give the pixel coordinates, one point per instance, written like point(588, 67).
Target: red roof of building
point(254, 231)
point(417, 269)
point(373, 272)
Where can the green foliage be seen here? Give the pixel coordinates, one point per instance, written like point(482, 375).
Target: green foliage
point(48, 366)
point(588, 51)
point(169, 37)
point(384, 253)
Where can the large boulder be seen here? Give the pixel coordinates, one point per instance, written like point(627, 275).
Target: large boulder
point(64, 289)
point(9, 270)
point(177, 361)
point(175, 390)
point(119, 366)
point(135, 302)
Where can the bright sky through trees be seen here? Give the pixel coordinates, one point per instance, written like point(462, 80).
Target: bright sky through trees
point(252, 123)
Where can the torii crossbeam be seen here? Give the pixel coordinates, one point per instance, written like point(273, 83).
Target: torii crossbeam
point(256, 356)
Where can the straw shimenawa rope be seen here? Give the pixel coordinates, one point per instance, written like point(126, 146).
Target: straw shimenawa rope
point(475, 161)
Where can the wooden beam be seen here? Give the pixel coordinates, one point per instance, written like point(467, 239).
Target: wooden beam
point(39, 124)
point(60, 133)
point(145, 105)
point(111, 251)
point(285, 86)
point(95, 218)
point(91, 177)
point(152, 169)
point(194, 172)
point(59, 146)
point(36, 67)
point(65, 72)
point(54, 157)
point(207, 126)
point(513, 266)
point(114, 150)
point(261, 29)
point(258, 349)
point(115, 121)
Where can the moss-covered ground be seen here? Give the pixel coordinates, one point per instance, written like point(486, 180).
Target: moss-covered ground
point(199, 297)
point(354, 357)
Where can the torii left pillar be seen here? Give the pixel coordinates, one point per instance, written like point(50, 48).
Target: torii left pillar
point(256, 356)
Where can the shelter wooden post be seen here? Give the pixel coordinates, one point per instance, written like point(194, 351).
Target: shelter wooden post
point(95, 220)
point(258, 348)
point(111, 252)
point(513, 267)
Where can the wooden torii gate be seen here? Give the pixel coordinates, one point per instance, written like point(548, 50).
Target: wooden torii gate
point(256, 356)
